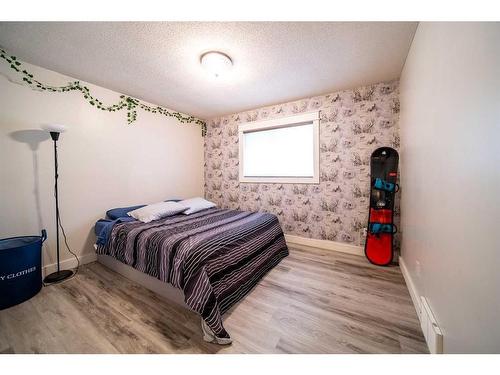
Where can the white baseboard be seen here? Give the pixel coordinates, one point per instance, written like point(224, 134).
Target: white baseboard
point(305, 243)
point(430, 328)
point(411, 287)
point(69, 263)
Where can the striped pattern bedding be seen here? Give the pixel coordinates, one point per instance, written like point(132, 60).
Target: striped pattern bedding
point(215, 256)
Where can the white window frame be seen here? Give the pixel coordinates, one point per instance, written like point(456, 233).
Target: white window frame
point(300, 119)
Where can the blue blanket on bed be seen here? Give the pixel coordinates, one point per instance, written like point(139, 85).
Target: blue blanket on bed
point(103, 228)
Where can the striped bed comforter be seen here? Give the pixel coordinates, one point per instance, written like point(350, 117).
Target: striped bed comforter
point(215, 256)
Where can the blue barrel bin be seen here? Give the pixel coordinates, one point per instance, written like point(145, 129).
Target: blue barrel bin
point(20, 268)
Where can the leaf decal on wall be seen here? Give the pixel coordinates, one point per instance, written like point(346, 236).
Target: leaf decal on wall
point(125, 103)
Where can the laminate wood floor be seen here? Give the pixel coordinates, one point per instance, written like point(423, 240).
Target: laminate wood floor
point(312, 302)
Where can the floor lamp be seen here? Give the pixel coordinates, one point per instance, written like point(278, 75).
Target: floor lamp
point(55, 130)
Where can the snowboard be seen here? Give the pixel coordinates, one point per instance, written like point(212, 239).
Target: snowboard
point(383, 187)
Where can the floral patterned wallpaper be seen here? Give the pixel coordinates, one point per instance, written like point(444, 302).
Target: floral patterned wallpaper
point(353, 123)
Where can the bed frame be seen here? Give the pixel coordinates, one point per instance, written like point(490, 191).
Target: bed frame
point(159, 287)
point(165, 290)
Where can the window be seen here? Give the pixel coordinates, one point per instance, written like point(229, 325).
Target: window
point(281, 150)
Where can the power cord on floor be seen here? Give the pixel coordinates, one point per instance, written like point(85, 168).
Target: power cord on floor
point(75, 272)
point(69, 249)
point(59, 223)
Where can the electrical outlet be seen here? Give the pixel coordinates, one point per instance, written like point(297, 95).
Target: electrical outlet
point(418, 268)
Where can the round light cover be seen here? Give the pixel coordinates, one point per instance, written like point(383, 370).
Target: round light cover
point(216, 63)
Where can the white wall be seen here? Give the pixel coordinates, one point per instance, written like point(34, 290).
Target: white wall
point(103, 161)
point(450, 170)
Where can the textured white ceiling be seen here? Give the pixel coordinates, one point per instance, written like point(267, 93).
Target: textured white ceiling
point(159, 62)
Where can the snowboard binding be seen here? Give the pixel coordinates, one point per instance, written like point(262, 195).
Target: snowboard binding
point(381, 229)
point(376, 228)
point(380, 184)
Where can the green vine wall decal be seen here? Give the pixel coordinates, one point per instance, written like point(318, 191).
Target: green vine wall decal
point(125, 102)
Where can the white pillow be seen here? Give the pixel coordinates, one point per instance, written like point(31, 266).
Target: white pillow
point(156, 211)
point(194, 205)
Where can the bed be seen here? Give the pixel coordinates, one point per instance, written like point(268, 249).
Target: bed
point(215, 257)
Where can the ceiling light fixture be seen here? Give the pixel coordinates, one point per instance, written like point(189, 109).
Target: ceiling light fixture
point(216, 63)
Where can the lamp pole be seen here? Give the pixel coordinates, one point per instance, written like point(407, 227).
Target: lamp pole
point(59, 275)
point(55, 137)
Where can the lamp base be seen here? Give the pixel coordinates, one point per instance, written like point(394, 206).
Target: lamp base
point(57, 276)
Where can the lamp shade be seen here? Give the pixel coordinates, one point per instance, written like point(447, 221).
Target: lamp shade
point(54, 128)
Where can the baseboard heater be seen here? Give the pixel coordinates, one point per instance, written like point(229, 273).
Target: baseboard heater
point(430, 328)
